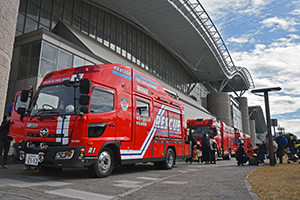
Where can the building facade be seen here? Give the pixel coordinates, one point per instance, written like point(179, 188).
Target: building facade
point(57, 34)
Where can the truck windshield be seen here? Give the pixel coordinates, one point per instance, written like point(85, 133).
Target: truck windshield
point(198, 132)
point(238, 140)
point(54, 100)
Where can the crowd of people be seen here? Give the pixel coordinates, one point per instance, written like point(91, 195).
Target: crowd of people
point(260, 152)
point(206, 153)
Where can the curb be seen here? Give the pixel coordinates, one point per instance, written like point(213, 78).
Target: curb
point(249, 187)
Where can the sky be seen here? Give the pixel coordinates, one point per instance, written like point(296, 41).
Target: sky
point(264, 37)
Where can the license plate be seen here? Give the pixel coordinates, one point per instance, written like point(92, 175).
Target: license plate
point(31, 159)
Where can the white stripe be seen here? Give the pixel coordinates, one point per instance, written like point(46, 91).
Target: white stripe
point(63, 128)
point(79, 194)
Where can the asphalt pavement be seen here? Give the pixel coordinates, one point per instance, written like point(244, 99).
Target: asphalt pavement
point(225, 180)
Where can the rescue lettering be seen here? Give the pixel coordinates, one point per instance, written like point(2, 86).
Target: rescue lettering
point(163, 122)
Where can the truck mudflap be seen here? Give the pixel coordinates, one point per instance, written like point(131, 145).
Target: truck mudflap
point(49, 156)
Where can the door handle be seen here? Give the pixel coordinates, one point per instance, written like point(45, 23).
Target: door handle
point(12, 122)
point(148, 129)
point(112, 125)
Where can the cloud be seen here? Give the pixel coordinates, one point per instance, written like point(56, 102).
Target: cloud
point(219, 8)
point(291, 126)
point(276, 65)
point(238, 40)
point(295, 12)
point(279, 23)
point(259, 32)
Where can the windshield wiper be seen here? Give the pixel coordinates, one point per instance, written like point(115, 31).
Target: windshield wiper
point(43, 110)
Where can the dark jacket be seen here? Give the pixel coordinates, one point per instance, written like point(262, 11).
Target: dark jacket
point(4, 130)
point(240, 153)
point(281, 146)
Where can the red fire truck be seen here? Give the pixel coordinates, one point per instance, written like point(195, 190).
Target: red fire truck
point(223, 134)
point(241, 137)
point(98, 117)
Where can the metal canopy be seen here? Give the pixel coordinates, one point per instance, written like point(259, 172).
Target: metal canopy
point(187, 31)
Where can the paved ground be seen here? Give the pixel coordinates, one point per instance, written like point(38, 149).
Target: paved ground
point(225, 180)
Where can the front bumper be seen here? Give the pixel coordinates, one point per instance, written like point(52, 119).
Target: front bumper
point(49, 153)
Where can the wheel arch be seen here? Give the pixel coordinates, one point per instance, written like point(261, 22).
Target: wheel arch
point(114, 146)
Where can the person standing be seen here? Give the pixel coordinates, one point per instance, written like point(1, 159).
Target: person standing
point(281, 142)
point(205, 149)
point(213, 147)
point(4, 140)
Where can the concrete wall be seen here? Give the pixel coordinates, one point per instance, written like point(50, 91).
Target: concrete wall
point(252, 132)
point(219, 105)
point(8, 21)
point(245, 113)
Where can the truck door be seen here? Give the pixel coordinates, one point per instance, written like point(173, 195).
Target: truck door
point(102, 118)
point(17, 126)
point(143, 122)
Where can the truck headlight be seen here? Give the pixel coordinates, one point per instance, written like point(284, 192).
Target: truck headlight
point(22, 155)
point(64, 154)
point(41, 157)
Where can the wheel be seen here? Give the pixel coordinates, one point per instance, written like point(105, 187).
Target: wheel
point(169, 161)
point(228, 157)
point(104, 165)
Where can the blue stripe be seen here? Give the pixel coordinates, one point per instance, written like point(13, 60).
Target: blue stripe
point(122, 75)
point(62, 129)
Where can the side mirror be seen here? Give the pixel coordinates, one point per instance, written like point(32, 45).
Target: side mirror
point(21, 111)
point(214, 132)
point(68, 83)
point(84, 100)
point(85, 86)
point(24, 95)
point(84, 109)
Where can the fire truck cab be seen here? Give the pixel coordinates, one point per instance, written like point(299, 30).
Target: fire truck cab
point(98, 117)
point(241, 137)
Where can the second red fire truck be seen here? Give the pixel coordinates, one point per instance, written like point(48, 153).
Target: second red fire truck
point(223, 134)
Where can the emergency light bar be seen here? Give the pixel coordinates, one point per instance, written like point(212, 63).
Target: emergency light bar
point(88, 69)
point(167, 101)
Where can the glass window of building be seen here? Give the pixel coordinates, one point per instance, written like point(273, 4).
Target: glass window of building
point(46, 67)
point(29, 60)
point(78, 61)
point(64, 59)
point(106, 28)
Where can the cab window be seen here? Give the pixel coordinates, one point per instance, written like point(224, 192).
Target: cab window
point(102, 100)
point(142, 108)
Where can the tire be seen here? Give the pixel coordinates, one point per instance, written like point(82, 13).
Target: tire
point(169, 161)
point(228, 157)
point(104, 165)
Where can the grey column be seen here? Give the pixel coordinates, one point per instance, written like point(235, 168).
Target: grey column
point(219, 105)
point(8, 22)
point(245, 113)
point(252, 132)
